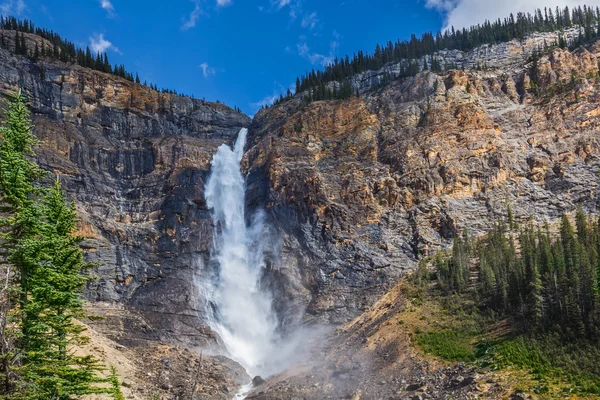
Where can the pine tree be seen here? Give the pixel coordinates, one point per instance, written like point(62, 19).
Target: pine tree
point(20, 221)
point(51, 370)
point(41, 249)
point(511, 216)
point(115, 385)
point(533, 282)
point(581, 225)
point(23, 45)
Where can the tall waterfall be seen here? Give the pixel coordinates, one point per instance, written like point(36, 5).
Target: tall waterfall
point(239, 312)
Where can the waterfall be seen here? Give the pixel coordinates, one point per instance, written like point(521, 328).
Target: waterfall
point(239, 312)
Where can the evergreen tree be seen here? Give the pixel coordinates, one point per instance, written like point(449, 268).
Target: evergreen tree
point(39, 333)
point(23, 45)
point(20, 222)
point(51, 370)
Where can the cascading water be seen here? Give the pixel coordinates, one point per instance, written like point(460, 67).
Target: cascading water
point(239, 311)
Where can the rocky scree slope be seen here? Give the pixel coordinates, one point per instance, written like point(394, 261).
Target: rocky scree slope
point(135, 162)
point(358, 190)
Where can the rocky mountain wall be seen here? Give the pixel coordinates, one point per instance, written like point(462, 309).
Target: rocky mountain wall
point(359, 190)
point(135, 162)
point(508, 56)
point(356, 191)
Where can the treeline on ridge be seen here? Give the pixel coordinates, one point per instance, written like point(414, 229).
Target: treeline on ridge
point(490, 32)
point(65, 51)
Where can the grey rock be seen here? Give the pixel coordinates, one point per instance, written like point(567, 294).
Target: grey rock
point(135, 162)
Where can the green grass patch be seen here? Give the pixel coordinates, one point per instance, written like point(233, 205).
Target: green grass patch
point(462, 336)
point(455, 330)
point(449, 344)
point(575, 364)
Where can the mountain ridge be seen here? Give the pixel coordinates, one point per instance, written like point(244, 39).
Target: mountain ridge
point(355, 190)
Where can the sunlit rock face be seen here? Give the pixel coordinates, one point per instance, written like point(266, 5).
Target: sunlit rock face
point(135, 161)
point(361, 189)
point(355, 191)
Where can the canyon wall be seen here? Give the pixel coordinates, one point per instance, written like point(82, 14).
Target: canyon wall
point(359, 190)
point(356, 191)
point(135, 161)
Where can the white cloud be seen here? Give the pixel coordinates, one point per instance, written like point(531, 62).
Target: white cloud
point(207, 70)
point(108, 7)
point(271, 98)
point(294, 6)
point(310, 20)
point(280, 3)
point(14, 7)
point(98, 44)
point(465, 13)
point(266, 101)
point(317, 58)
point(223, 3)
point(190, 21)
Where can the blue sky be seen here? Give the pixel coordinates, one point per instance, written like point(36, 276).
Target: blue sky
point(244, 52)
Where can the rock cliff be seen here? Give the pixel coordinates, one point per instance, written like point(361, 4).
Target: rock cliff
point(358, 190)
point(135, 161)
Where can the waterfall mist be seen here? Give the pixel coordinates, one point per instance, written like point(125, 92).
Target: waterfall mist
point(239, 310)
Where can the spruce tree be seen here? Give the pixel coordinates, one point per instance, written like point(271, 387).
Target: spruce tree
point(19, 222)
point(52, 371)
point(40, 247)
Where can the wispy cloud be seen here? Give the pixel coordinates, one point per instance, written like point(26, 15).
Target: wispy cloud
point(223, 3)
point(108, 7)
point(46, 12)
point(14, 7)
point(207, 70)
point(279, 4)
point(98, 44)
point(310, 20)
point(317, 58)
point(464, 13)
point(190, 21)
point(268, 100)
point(294, 7)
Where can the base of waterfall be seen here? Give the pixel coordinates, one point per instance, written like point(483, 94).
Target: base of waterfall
point(241, 395)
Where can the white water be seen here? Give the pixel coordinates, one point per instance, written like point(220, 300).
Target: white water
point(239, 311)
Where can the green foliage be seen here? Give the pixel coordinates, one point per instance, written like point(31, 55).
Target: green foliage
point(548, 357)
point(551, 283)
point(453, 272)
point(546, 284)
point(452, 345)
point(43, 250)
point(115, 385)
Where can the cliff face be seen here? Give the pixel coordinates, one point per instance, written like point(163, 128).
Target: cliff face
point(358, 189)
point(135, 162)
point(355, 191)
point(506, 56)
